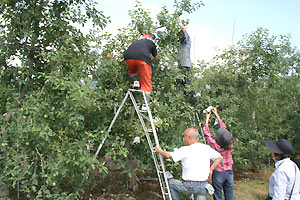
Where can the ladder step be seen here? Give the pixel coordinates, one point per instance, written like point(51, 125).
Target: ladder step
point(144, 108)
point(150, 131)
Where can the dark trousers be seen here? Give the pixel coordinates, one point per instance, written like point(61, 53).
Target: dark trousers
point(187, 73)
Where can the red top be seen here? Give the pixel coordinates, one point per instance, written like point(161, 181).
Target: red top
point(227, 162)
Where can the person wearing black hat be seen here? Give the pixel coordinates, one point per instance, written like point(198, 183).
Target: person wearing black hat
point(222, 177)
point(284, 183)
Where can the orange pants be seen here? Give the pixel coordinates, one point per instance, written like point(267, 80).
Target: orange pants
point(143, 70)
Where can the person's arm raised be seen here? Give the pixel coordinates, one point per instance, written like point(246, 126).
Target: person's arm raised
point(183, 28)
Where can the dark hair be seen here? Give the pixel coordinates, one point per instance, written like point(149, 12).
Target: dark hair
point(229, 146)
point(282, 156)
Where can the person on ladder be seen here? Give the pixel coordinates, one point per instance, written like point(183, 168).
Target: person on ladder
point(222, 177)
point(184, 57)
point(184, 52)
point(138, 60)
point(195, 158)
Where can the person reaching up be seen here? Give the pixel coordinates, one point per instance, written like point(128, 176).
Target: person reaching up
point(222, 177)
point(184, 52)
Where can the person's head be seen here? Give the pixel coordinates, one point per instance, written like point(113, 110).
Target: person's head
point(191, 136)
point(147, 36)
point(223, 138)
point(280, 149)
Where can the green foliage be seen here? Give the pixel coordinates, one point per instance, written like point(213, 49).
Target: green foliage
point(50, 122)
point(54, 119)
point(254, 84)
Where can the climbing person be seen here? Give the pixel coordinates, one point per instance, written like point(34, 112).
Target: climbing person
point(184, 57)
point(184, 51)
point(284, 183)
point(195, 158)
point(222, 177)
point(138, 60)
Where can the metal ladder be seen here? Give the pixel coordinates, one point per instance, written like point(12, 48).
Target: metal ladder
point(158, 159)
point(195, 121)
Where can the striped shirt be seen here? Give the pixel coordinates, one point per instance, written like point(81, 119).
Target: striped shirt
point(227, 162)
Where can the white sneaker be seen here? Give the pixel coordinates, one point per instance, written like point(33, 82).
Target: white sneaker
point(136, 84)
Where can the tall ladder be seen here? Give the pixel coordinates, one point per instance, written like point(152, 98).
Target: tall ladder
point(158, 159)
point(195, 121)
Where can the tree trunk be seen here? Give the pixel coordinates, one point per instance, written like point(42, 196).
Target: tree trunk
point(133, 181)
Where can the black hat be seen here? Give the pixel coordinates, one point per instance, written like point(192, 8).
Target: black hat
point(282, 146)
point(223, 137)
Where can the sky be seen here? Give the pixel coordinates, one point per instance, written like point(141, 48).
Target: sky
point(219, 23)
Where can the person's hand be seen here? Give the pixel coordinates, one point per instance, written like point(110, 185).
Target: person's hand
point(182, 27)
point(215, 110)
point(210, 175)
point(208, 114)
point(158, 149)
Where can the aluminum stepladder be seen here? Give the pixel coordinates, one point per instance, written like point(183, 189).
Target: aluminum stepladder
point(195, 121)
point(158, 159)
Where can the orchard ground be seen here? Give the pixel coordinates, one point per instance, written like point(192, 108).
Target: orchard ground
point(247, 186)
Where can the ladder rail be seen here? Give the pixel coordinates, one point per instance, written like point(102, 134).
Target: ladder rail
point(157, 144)
point(150, 142)
point(201, 129)
point(111, 124)
point(160, 167)
point(158, 170)
point(193, 119)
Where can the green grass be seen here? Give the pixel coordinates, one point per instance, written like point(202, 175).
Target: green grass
point(251, 186)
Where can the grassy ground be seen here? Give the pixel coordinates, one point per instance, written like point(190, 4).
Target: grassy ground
point(252, 186)
point(247, 186)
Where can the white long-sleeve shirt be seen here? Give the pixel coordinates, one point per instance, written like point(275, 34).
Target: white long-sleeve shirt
point(282, 181)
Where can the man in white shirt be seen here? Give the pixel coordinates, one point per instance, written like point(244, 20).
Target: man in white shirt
point(196, 167)
point(284, 183)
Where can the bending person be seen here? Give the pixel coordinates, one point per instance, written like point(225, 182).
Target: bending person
point(222, 178)
point(195, 159)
